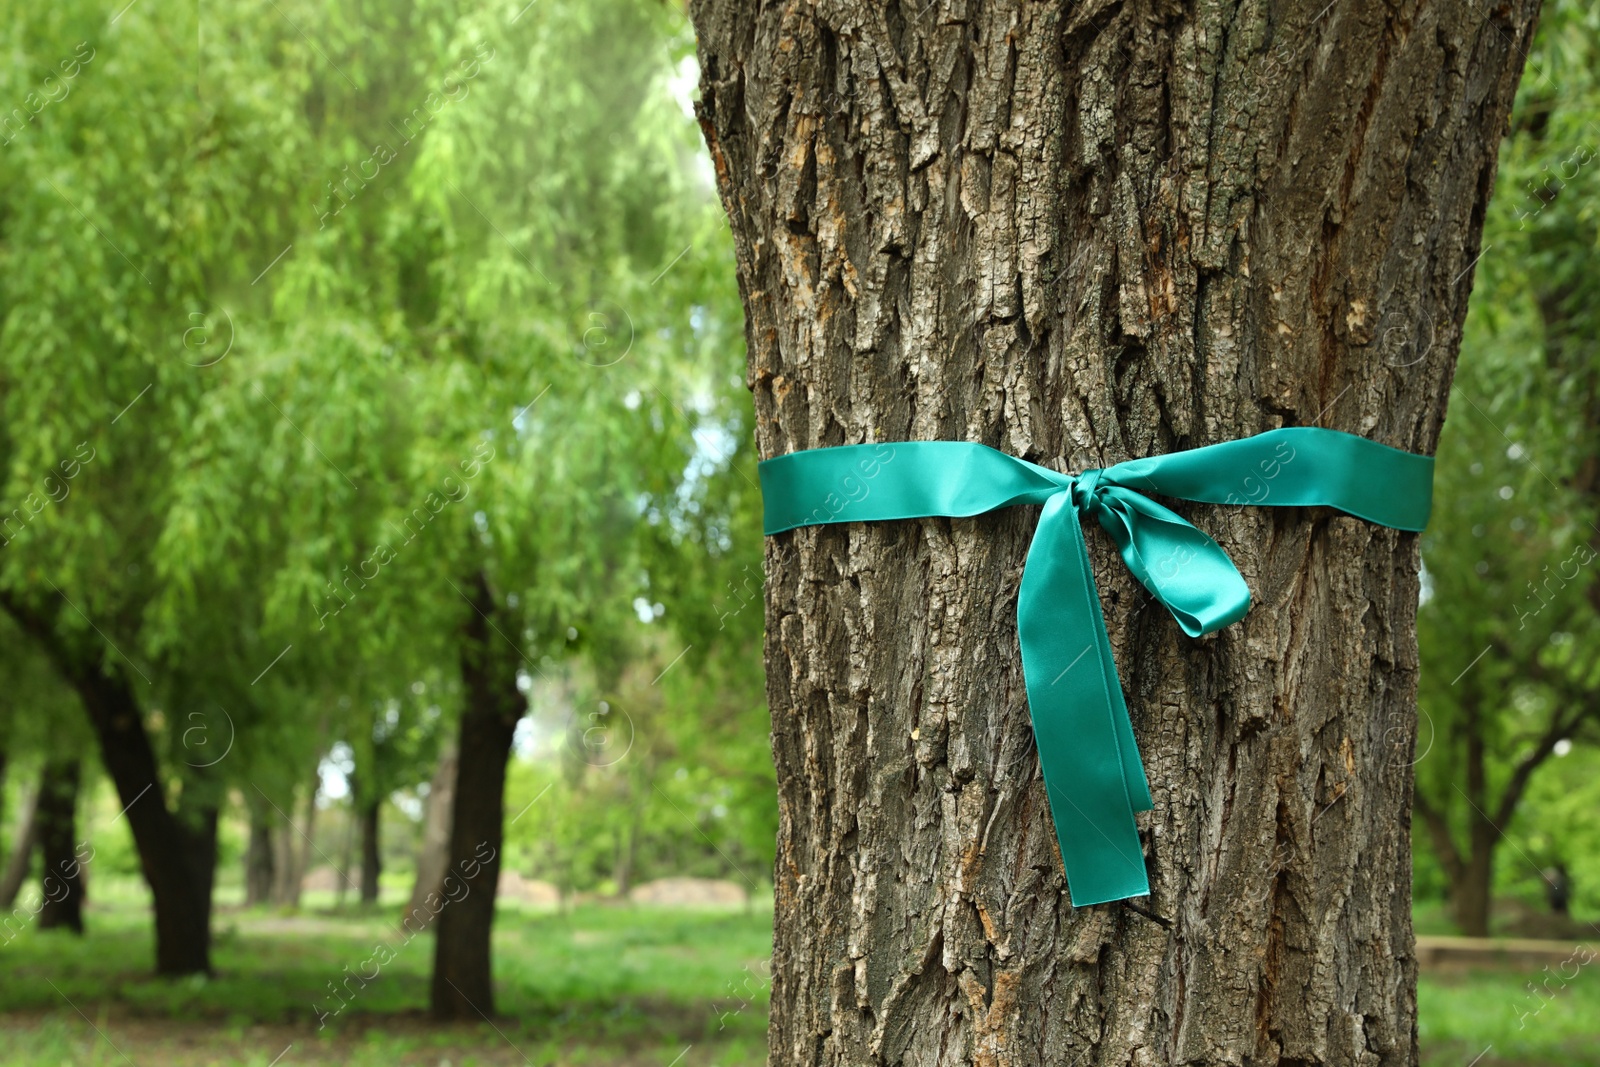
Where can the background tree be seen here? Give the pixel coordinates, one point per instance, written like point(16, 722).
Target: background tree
point(399, 751)
point(40, 728)
point(74, 341)
point(349, 299)
point(1509, 626)
point(1081, 237)
point(61, 875)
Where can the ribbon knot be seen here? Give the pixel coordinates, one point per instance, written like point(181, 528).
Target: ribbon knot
point(1086, 492)
point(1087, 753)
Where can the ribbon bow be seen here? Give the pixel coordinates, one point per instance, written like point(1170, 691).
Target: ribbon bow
point(1091, 765)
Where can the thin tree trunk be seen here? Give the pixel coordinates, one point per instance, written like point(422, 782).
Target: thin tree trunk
point(61, 878)
point(434, 854)
point(259, 860)
point(1558, 889)
point(286, 884)
point(626, 856)
point(1471, 898)
point(347, 854)
point(292, 844)
point(303, 840)
point(1083, 235)
point(16, 869)
point(627, 853)
point(462, 985)
point(371, 851)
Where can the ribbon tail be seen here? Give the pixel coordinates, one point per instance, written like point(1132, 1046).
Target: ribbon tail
point(1091, 766)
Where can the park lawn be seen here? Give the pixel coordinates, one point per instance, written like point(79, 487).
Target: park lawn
point(618, 986)
point(1493, 1015)
point(597, 985)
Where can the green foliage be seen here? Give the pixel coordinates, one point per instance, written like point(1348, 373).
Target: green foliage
point(1558, 825)
point(1509, 628)
point(331, 309)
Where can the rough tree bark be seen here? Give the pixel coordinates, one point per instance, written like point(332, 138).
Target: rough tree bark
point(462, 985)
point(1084, 233)
point(61, 874)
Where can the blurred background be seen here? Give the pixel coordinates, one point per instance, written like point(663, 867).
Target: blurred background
point(371, 380)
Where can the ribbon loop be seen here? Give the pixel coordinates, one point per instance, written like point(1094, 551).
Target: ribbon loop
point(1087, 754)
point(1185, 570)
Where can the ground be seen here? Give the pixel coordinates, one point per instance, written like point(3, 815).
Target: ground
point(619, 986)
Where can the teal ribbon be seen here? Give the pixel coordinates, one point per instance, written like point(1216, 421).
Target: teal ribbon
point(1085, 740)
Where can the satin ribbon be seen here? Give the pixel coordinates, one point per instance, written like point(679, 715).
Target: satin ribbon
point(1091, 765)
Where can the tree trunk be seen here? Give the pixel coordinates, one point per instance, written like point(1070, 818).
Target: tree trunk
point(303, 840)
point(1469, 871)
point(627, 852)
point(371, 850)
point(462, 964)
point(61, 879)
point(1471, 899)
point(1558, 889)
point(434, 855)
point(347, 854)
point(177, 866)
point(286, 882)
point(259, 860)
point(167, 853)
point(1083, 235)
point(200, 823)
point(291, 845)
point(17, 862)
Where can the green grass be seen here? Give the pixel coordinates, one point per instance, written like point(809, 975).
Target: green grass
point(600, 985)
point(1464, 1015)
